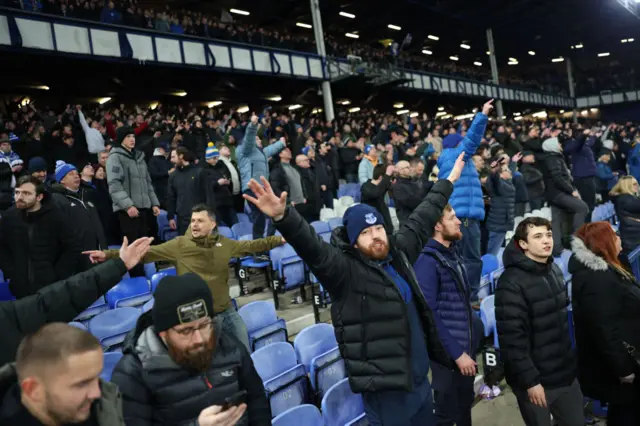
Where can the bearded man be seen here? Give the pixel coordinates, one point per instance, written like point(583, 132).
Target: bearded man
point(385, 330)
point(178, 366)
point(445, 284)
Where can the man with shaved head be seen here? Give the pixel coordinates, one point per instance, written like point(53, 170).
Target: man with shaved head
point(407, 192)
point(56, 381)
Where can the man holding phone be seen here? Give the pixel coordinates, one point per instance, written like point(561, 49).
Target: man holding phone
point(179, 368)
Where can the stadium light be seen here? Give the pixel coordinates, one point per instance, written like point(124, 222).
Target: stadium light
point(154, 105)
point(603, 54)
point(402, 111)
point(477, 63)
point(347, 15)
point(344, 102)
point(103, 101)
point(354, 109)
point(303, 25)
point(432, 37)
point(414, 114)
point(243, 109)
point(561, 111)
point(214, 104)
point(41, 87)
point(453, 58)
point(239, 12)
point(294, 107)
point(275, 98)
point(182, 94)
point(351, 35)
point(532, 53)
point(488, 52)
point(394, 27)
point(557, 60)
point(427, 52)
point(465, 46)
point(441, 108)
point(398, 105)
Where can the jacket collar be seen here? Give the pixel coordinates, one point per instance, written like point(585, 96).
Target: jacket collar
point(587, 257)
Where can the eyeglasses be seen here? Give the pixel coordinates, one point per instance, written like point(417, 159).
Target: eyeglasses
point(204, 327)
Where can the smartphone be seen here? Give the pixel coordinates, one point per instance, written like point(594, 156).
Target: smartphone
point(234, 400)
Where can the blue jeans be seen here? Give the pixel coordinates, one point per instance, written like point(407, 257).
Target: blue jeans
point(258, 219)
point(232, 323)
point(495, 242)
point(400, 408)
point(469, 250)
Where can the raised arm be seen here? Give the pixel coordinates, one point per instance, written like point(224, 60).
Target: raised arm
point(261, 245)
point(249, 140)
point(328, 263)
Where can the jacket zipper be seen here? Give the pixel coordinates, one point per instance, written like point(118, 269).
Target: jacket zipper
point(207, 382)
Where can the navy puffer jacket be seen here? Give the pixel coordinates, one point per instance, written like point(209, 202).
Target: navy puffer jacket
point(503, 202)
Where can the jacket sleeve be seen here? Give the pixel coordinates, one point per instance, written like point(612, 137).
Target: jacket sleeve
point(472, 140)
point(273, 149)
point(83, 123)
point(249, 140)
point(373, 192)
point(152, 192)
point(415, 232)
point(429, 280)
point(405, 197)
point(557, 176)
point(604, 313)
point(137, 404)
point(363, 171)
point(512, 323)
point(261, 245)
point(165, 252)
point(171, 197)
point(632, 205)
point(328, 263)
point(257, 404)
point(115, 179)
point(63, 300)
point(70, 249)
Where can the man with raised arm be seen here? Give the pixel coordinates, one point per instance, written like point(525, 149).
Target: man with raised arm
point(385, 330)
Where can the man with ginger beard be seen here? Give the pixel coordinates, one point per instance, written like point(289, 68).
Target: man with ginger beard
point(178, 367)
point(443, 280)
point(386, 332)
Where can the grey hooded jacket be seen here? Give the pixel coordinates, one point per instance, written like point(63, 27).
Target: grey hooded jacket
point(129, 180)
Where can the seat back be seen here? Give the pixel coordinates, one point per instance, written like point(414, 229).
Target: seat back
point(292, 271)
point(326, 214)
point(489, 264)
point(488, 314)
point(340, 405)
point(321, 227)
point(306, 414)
point(327, 369)
point(347, 201)
point(97, 307)
point(313, 341)
point(258, 314)
point(129, 292)
point(5, 293)
point(147, 306)
point(77, 324)
point(226, 232)
point(485, 288)
point(149, 270)
point(278, 253)
point(494, 277)
point(242, 228)
point(110, 361)
point(335, 222)
point(112, 326)
point(273, 360)
point(242, 218)
point(156, 278)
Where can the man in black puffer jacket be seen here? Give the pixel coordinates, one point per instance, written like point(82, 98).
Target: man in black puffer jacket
point(385, 330)
point(178, 366)
point(533, 329)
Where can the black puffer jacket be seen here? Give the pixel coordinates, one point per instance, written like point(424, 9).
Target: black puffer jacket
point(37, 248)
point(188, 186)
point(407, 194)
point(222, 196)
point(532, 320)
point(606, 311)
point(61, 301)
point(369, 315)
point(628, 211)
point(311, 190)
point(80, 210)
point(557, 179)
point(156, 391)
point(534, 180)
point(503, 204)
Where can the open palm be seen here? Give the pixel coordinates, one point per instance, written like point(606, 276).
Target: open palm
point(268, 202)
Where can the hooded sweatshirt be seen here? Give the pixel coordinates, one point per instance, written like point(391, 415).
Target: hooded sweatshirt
point(208, 257)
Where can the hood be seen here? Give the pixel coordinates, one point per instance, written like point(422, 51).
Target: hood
point(514, 257)
point(585, 258)
point(451, 141)
point(157, 153)
point(206, 241)
point(608, 144)
point(552, 145)
point(448, 252)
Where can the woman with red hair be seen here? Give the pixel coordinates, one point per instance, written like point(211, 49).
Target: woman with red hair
point(606, 309)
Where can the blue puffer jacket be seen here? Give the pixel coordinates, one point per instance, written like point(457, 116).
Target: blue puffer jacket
point(447, 293)
point(606, 179)
point(634, 161)
point(467, 192)
point(253, 162)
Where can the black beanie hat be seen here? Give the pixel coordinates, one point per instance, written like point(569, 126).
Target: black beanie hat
point(122, 132)
point(180, 300)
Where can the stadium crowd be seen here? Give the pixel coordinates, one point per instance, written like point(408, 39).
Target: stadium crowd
point(405, 293)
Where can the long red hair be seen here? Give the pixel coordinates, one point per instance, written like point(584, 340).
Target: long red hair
point(600, 238)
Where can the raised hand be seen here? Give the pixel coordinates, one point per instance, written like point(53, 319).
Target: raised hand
point(486, 108)
point(457, 169)
point(266, 200)
point(132, 254)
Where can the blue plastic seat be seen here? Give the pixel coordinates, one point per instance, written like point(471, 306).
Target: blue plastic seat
point(291, 268)
point(499, 257)
point(313, 341)
point(341, 406)
point(98, 307)
point(488, 317)
point(248, 261)
point(243, 217)
point(77, 324)
point(489, 264)
point(285, 381)
point(276, 254)
point(263, 324)
point(321, 227)
point(485, 288)
point(226, 232)
point(242, 228)
point(149, 270)
point(327, 369)
point(158, 276)
point(5, 293)
point(306, 414)
point(110, 361)
point(147, 306)
point(131, 292)
point(493, 276)
point(111, 327)
point(335, 222)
